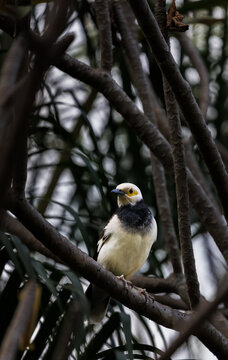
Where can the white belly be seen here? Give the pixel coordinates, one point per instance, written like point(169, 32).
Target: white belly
point(124, 253)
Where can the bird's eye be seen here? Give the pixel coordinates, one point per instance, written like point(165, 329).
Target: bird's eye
point(130, 191)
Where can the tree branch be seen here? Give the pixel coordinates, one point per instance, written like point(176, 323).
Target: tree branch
point(184, 98)
point(126, 25)
point(197, 61)
point(105, 34)
point(80, 262)
point(8, 114)
point(180, 175)
point(150, 135)
point(203, 311)
point(13, 226)
point(17, 100)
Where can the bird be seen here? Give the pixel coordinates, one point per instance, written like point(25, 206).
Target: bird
point(124, 244)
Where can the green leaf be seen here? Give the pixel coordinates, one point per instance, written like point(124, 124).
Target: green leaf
point(41, 272)
point(126, 321)
point(24, 256)
point(95, 178)
point(6, 241)
point(80, 224)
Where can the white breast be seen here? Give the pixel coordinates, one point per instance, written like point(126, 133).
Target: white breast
point(124, 253)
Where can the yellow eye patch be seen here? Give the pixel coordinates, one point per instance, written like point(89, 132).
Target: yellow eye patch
point(132, 192)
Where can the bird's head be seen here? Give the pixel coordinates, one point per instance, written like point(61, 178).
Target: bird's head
point(127, 193)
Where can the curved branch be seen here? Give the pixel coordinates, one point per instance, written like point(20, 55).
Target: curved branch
point(80, 262)
point(13, 226)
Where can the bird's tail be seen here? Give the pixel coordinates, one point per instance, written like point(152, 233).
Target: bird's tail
point(99, 301)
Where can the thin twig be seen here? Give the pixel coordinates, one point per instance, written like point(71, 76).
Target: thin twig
point(105, 34)
point(20, 164)
point(197, 61)
point(197, 173)
point(165, 214)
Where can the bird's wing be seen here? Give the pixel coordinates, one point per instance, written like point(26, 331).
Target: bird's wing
point(105, 235)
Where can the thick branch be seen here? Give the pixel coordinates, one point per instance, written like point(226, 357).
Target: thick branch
point(80, 262)
point(156, 285)
point(180, 176)
point(8, 124)
point(14, 227)
point(175, 283)
point(184, 98)
point(125, 21)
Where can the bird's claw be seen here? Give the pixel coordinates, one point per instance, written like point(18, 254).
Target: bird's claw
point(126, 282)
point(145, 293)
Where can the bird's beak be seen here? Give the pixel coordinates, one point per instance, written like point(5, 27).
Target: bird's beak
point(118, 192)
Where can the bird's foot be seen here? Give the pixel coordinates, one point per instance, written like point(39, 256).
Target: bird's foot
point(126, 282)
point(141, 290)
point(145, 293)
